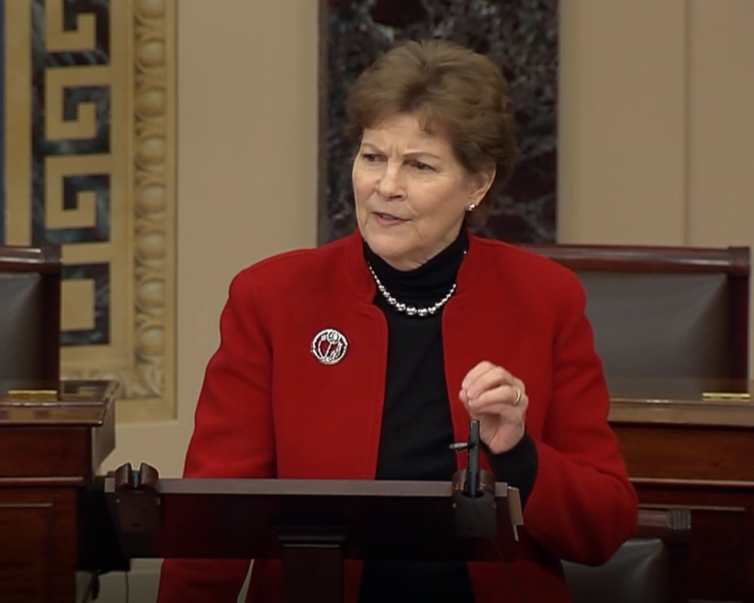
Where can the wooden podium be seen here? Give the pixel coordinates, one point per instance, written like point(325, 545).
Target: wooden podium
point(683, 450)
point(314, 525)
point(53, 437)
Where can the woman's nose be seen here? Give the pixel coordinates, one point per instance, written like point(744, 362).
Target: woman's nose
point(389, 185)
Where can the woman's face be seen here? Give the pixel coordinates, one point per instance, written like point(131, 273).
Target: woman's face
point(411, 192)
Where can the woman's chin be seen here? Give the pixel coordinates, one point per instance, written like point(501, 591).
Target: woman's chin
point(390, 249)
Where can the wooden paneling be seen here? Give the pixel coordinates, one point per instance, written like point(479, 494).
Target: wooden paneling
point(684, 456)
point(38, 553)
point(44, 452)
point(49, 453)
point(682, 450)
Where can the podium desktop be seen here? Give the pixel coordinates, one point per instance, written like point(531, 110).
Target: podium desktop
point(313, 526)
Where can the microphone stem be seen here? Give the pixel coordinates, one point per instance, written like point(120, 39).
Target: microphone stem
point(472, 478)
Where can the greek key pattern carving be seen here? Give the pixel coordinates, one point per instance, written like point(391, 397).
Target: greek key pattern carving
point(92, 119)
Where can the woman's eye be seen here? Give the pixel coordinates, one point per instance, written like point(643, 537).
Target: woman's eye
point(422, 167)
point(370, 157)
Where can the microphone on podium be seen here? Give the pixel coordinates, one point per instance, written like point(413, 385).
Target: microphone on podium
point(472, 466)
point(474, 491)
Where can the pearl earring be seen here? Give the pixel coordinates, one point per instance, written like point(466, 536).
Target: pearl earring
point(471, 207)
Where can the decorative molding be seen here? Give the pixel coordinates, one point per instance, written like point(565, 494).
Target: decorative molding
point(148, 381)
point(154, 168)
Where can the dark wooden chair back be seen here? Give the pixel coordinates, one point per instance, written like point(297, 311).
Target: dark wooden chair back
point(30, 313)
point(664, 311)
point(651, 568)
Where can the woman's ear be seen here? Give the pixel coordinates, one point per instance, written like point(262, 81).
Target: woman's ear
point(481, 183)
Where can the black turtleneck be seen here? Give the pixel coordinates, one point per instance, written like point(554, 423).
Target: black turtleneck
point(417, 427)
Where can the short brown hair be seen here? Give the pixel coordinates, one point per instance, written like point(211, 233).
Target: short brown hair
point(447, 86)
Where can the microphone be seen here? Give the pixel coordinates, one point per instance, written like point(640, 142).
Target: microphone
point(474, 492)
point(474, 500)
point(471, 487)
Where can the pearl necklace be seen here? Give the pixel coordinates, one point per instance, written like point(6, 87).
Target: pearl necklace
point(411, 310)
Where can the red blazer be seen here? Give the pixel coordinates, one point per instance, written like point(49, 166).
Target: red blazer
point(269, 408)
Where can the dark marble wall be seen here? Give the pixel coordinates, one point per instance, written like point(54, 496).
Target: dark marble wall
point(521, 36)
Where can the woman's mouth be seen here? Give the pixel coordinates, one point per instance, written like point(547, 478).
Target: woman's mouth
point(384, 219)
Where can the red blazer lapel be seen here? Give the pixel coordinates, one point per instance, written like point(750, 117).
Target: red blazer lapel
point(481, 323)
point(336, 409)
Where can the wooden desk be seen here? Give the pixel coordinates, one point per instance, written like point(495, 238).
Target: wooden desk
point(50, 449)
point(682, 450)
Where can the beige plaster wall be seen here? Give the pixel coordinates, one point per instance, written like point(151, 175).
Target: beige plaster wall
point(657, 131)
